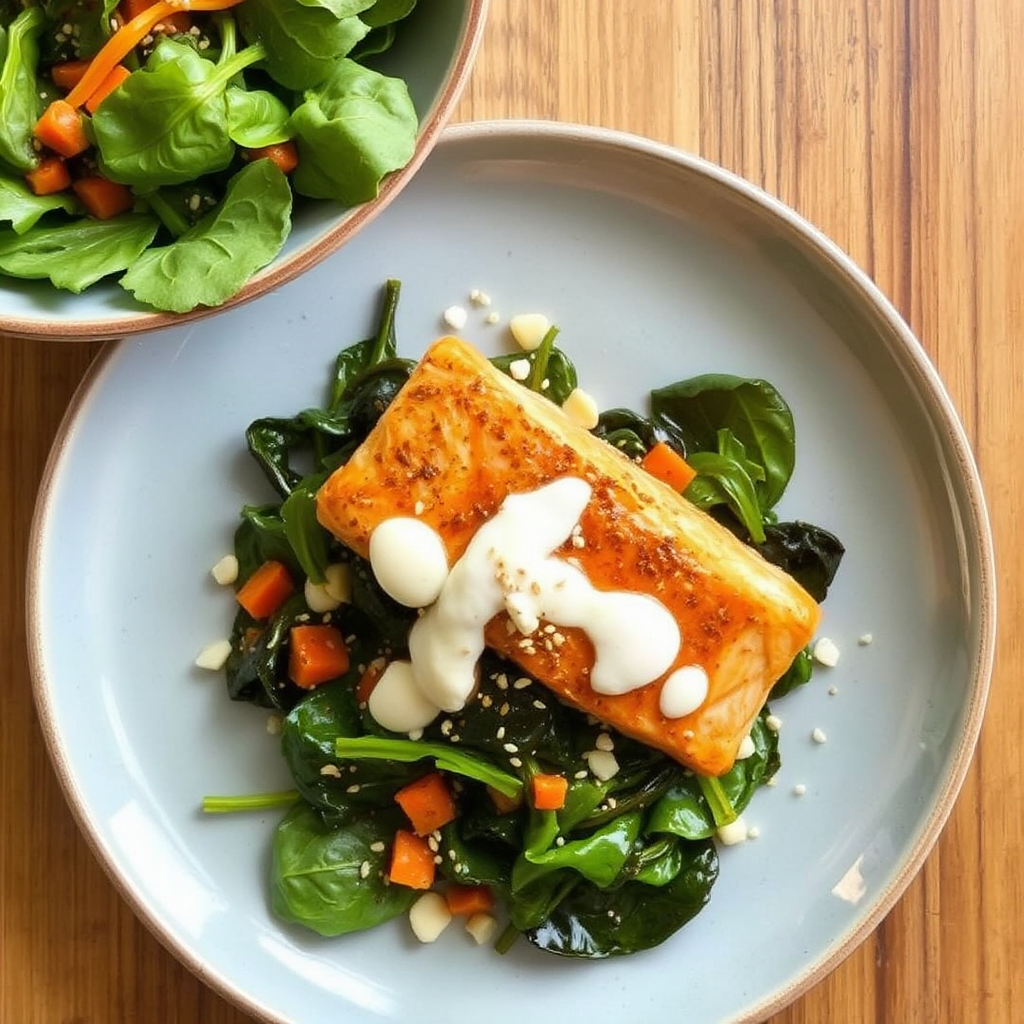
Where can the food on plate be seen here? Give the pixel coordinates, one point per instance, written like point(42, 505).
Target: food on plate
point(523, 668)
point(164, 141)
point(459, 438)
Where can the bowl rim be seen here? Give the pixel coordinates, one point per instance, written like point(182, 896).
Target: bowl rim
point(974, 505)
point(279, 273)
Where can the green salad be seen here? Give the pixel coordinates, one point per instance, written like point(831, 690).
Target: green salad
point(164, 143)
point(611, 865)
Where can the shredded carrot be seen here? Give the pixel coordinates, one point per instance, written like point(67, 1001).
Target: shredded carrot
point(505, 804)
point(49, 176)
point(427, 803)
point(669, 466)
point(284, 154)
point(317, 654)
point(265, 590)
point(129, 9)
point(367, 681)
point(106, 87)
point(548, 792)
point(60, 129)
point(128, 36)
point(68, 74)
point(412, 861)
point(469, 899)
point(102, 197)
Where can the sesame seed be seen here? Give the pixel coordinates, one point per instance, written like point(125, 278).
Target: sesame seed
point(331, 771)
point(452, 855)
point(504, 710)
point(522, 683)
point(581, 775)
point(560, 841)
point(799, 789)
point(515, 762)
point(818, 735)
point(510, 748)
point(540, 705)
point(502, 682)
point(377, 846)
point(364, 869)
point(354, 788)
point(433, 844)
point(500, 734)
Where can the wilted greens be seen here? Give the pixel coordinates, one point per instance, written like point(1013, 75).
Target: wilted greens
point(627, 860)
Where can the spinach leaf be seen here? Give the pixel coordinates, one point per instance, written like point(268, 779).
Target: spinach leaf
point(211, 261)
point(628, 431)
point(797, 674)
point(810, 554)
point(727, 476)
point(351, 131)
point(340, 8)
point(308, 539)
point(590, 922)
point(318, 874)
point(376, 41)
point(557, 369)
point(472, 861)
point(391, 620)
point(90, 28)
point(303, 41)
point(168, 123)
point(20, 105)
point(22, 208)
point(256, 118)
point(692, 412)
point(387, 12)
point(261, 537)
point(76, 255)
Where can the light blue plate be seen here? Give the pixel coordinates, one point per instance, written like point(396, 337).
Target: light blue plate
point(656, 266)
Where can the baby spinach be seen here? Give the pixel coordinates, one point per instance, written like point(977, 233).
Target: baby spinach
point(168, 123)
point(304, 41)
point(212, 260)
point(308, 539)
point(694, 411)
point(353, 129)
point(77, 254)
point(810, 554)
point(22, 208)
point(20, 105)
point(332, 879)
point(256, 118)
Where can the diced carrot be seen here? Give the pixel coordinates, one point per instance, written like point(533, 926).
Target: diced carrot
point(284, 154)
point(49, 176)
point(669, 466)
point(106, 87)
point(128, 36)
point(469, 899)
point(317, 654)
point(368, 680)
point(265, 590)
point(412, 861)
point(102, 197)
point(505, 804)
point(60, 129)
point(68, 74)
point(548, 792)
point(427, 803)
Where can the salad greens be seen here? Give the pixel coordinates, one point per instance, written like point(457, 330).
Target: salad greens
point(213, 136)
point(627, 860)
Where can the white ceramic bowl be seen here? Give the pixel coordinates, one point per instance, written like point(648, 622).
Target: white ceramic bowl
point(434, 55)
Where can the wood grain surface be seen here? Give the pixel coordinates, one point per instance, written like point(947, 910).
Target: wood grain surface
point(896, 127)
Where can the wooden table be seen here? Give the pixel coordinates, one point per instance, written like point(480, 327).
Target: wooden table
point(895, 126)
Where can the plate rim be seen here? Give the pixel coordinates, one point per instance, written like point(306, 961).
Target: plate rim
point(903, 345)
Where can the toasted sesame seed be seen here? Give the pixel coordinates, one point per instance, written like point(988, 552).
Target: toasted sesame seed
point(331, 771)
point(510, 748)
point(522, 683)
point(364, 869)
point(377, 846)
point(515, 762)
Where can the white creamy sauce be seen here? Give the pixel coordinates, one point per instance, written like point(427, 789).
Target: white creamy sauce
point(684, 691)
point(508, 566)
point(397, 703)
point(409, 560)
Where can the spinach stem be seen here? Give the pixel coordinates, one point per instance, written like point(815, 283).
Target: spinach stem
point(540, 361)
point(172, 219)
point(447, 759)
point(718, 800)
point(251, 802)
point(386, 325)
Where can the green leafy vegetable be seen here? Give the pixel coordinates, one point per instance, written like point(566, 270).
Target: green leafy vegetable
point(22, 208)
point(211, 261)
point(77, 254)
point(726, 476)
point(168, 123)
point(304, 41)
point(352, 130)
point(318, 877)
point(20, 105)
point(256, 118)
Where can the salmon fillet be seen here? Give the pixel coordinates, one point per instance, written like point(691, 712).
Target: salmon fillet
point(461, 436)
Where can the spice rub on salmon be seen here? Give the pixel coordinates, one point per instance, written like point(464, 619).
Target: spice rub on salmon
point(461, 437)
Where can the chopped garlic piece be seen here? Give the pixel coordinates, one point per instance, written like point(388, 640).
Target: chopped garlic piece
point(214, 656)
point(826, 652)
point(225, 571)
point(519, 369)
point(318, 598)
point(733, 833)
point(529, 329)
point(581, 408)
point(483, 927)
point(455, 317)
point(429, 916)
